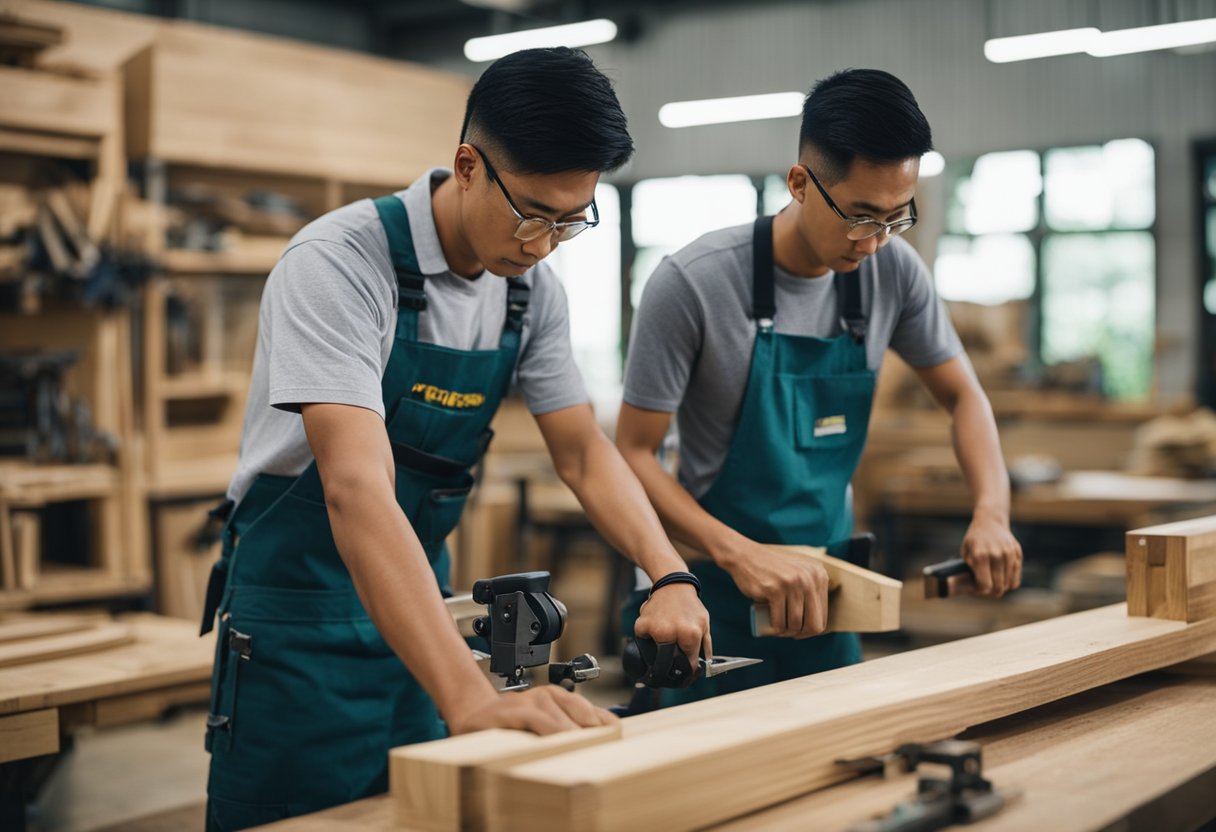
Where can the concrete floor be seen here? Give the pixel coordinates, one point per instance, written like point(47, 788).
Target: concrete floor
point(152, 777)
point(112, 778)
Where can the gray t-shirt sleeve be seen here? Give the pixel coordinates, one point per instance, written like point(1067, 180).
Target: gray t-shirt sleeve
point(923, 334)
point(546, 374)
point(326, 310)
point(667, 337)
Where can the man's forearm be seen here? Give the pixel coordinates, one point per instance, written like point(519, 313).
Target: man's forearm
point(397, 587)
point(978, 449)
point(619, 509)
point(680, 513)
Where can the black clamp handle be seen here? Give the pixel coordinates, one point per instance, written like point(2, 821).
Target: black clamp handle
point(656, 665)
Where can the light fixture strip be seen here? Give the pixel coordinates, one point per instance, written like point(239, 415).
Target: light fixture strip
point(737, 108)
point(586, 33)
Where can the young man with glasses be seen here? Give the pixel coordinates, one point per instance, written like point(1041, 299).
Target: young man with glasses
point(765, 341)
point(390, 331)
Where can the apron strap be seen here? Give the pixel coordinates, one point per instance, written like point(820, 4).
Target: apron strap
point(518, 294)
point(848, 290)
point(411, 294)
point(764, 300)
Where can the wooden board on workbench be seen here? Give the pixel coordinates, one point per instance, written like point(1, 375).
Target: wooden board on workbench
point(1068, 760)
point(443, 785)
point(757, 748)
point(165, 653)
point(47, 648)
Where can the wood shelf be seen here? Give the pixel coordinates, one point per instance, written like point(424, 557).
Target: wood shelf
point(26, 485)
point(203, 385)
point(63, 585)
point(45, 102)
point(209, 475)
point(254, 263)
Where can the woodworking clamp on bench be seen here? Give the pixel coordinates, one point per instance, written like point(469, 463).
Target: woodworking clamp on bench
point(966, 797)
point(523, 622)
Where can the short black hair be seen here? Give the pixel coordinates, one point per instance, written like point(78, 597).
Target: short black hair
point(548, 111)
point(863, 113)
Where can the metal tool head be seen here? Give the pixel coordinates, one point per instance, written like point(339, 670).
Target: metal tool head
point(725, 664)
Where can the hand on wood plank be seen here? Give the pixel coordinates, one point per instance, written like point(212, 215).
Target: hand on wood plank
point(858, 600)
point(543, 710)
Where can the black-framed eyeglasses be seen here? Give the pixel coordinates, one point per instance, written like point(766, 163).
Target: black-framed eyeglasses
point(533, 228)
point(863, 228)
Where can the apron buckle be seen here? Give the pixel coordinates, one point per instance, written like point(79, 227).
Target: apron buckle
point(241, 644)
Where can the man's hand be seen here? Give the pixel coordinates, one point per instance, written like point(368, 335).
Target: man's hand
point(794, 587)
point(542, 710)
point(994, 555)
point(674, 614)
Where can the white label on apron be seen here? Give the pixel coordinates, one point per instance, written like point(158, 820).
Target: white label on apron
point(830, 426)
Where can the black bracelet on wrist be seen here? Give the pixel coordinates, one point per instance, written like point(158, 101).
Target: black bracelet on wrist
point(677, 578)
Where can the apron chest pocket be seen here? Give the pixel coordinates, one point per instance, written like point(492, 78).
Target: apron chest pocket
point(832, 411)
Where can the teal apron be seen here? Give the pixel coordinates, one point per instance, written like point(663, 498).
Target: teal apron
point(801, 431)
point(306, 696)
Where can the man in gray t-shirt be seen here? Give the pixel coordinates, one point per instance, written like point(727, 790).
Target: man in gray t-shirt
point(764, 341)
point(389, 334)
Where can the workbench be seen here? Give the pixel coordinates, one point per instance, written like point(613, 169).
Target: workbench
point(165, 664)
point(1139, 752)
point(1093, 500)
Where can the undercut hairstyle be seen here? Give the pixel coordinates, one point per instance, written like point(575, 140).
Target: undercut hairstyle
point(547, 111)
point(861, 113)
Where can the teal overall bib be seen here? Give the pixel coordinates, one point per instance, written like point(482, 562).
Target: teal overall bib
point(801, 431)
point(306, 696)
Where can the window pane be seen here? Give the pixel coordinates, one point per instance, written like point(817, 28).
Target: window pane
point(992, 269)
point(668, 214)
point(1002, 193)
point(776, 194)
point(1099, 300)
point(1108, 186)
point(590, 270)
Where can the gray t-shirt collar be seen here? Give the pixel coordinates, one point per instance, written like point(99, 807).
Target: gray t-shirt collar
point(417, 198)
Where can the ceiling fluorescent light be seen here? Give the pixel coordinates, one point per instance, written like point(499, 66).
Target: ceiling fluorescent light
point(493, 47)
point(1041, 45)
point(739, 108)
point(1150, 38)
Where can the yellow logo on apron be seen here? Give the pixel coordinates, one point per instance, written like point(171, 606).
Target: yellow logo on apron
point(431, 394)
point(830, 426)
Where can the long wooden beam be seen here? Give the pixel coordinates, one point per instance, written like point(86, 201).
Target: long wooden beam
point(739, 753)
point(1069, 761)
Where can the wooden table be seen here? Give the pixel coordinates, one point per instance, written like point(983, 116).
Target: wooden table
point(167, 664)
point(1141, 753)
point(1108, 500)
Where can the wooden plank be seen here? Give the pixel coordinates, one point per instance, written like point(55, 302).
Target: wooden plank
point(1171, 570)
point(861, 601)
point(41, 626)
point(27, 546)
point(373, 814)
point(42, 101)
point(757, 748)
point(303, 109)
point(101, 637)
point(43, 144)
point(166, 653)
point(1069, 760)
point(28, 735)
point(443, 785)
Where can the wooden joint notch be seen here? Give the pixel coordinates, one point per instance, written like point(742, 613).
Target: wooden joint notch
point(1171, 570)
